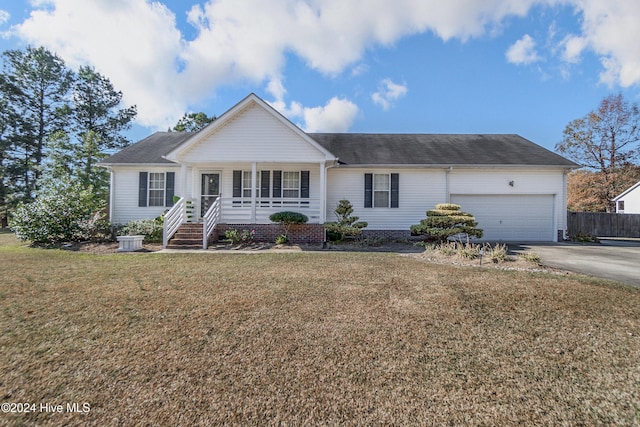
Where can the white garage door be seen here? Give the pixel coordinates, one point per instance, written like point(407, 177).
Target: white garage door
point(511, 218)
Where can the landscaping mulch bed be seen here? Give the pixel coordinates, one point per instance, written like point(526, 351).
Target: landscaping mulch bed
point(403, 248)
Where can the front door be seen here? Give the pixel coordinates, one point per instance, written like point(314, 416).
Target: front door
point(209, 190)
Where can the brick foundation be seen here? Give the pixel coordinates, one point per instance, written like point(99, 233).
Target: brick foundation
point(302, 233)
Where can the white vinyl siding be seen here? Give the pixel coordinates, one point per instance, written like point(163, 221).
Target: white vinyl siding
point(125, 185)
point(629, 202)
point(422, 188)
point(253, 135)
point(419, 188)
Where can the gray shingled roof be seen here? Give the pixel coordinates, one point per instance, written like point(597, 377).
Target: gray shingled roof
point(383, 149)
point(437, 149)
point(149, 150)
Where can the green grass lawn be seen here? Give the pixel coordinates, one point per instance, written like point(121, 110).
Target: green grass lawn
point(310, 338)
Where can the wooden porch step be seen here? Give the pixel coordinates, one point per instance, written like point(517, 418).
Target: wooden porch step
point(188, 236)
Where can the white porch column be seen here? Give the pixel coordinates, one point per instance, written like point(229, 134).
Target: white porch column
point(183, 180)
point(323, 191)
point(254, 182)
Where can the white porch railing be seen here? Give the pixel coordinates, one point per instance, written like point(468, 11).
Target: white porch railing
point(209, 221)
point(173, 219)
point(234, 211)
point(239, 210)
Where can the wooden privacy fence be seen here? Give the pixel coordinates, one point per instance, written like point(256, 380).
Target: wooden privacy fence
point(603, 224)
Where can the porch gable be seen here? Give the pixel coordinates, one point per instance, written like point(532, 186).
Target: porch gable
point(252, 131)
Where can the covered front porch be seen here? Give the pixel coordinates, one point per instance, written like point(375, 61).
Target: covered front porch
point(245, 193)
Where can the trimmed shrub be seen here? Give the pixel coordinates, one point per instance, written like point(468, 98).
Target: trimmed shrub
point(347, 225)
point(445, 221)
point(286, 219)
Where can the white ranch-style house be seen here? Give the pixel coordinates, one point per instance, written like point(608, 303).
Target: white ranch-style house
point(629, 200)
point(252, 162)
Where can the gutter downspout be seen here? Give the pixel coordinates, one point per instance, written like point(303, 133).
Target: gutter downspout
point(447, 180)
point(323, 195)
point(565, 211)
point(112, 187)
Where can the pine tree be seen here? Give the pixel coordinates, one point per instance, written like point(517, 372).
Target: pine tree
point(98, 119)
point(36, 84)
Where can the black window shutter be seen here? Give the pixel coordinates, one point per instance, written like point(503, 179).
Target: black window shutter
point(368, 190)
point(142, 190)
point(277, 184)
point(170, 188)
point(264, 184)
point(395, 190)
point(304, 184)
point(237, 183)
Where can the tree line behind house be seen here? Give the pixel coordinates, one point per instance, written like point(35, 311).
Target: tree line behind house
point(56, 124)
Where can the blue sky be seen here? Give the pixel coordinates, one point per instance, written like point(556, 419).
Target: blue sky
point(462, 66)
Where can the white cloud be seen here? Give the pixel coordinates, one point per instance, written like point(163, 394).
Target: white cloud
point(132, 42)
point(337, 115)
point(388, 91)
point(359, 70)
point(611, 30)
point(573, 46)
point(523, 51)
point(4, 16)
point(137, 43)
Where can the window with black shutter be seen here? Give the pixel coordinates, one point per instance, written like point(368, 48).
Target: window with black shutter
point(381, 190)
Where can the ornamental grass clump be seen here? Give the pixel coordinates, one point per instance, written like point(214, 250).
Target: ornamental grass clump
point(498, 253)
point(445, 221)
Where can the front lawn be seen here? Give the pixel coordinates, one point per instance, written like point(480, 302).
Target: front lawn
point(310, 338)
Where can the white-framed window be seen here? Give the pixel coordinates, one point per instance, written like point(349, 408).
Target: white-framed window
point(381, 190)
point(291, 184)
point(246, 184)
point(620, 206)
point(271, 184)
point(156, 196)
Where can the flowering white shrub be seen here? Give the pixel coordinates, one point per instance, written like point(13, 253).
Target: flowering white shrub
point(61, 212)
point(151, 229)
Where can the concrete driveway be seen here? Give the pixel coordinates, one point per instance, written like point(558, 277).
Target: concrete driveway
point(617, 260)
